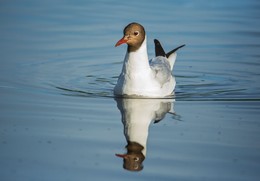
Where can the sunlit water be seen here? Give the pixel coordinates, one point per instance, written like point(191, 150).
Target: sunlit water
point(59, 119)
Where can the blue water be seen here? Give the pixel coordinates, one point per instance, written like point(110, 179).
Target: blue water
point(59, 119)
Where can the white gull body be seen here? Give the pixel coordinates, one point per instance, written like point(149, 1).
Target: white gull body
point(141, 77)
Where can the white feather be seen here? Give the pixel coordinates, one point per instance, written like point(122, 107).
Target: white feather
point(140, 77)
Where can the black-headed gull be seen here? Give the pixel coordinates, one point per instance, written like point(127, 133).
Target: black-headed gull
point(137, 115)
point(141, 77)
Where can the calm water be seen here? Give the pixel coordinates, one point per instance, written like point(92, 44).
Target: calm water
point(60, 121)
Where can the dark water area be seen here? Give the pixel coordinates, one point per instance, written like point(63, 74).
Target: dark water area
point(59, 119)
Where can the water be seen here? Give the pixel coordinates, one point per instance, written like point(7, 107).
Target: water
point(60, 121)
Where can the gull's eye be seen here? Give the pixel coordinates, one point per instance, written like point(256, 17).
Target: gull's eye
point(136, 159)
point(136, 33)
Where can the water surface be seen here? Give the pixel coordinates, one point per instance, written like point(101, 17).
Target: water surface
point(59, 119)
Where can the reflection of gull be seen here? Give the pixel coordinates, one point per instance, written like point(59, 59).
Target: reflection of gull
point(137, 114)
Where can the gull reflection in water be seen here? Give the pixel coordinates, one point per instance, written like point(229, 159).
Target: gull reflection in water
point(137, 115)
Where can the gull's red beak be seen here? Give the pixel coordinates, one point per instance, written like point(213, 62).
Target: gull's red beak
point(121, 41)
point(121, 155)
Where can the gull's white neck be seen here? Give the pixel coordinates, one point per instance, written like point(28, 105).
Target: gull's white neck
point(137, 115)
point(137, 61)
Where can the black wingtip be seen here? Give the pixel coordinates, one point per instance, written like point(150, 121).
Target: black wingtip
point(174, 50)
point(158, 49)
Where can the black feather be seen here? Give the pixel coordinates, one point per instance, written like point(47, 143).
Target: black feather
point(174, 50)
point(159, 49)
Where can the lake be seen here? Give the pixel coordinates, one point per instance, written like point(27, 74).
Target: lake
point(60, 121)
